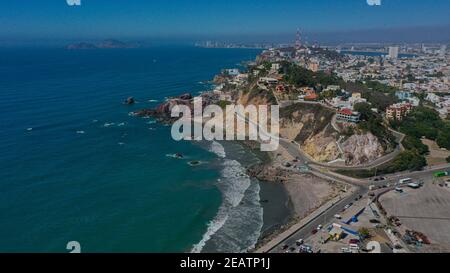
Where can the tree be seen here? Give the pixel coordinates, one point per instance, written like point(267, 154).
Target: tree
point(412, 143)
point(377, 98)
point(300, 76)
point(365, 109)
point(443, 139)
point(364, 233)
point(407, 160)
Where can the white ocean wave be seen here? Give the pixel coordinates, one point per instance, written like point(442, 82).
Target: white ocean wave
point(218, 149)
point(243, 227)
point(235, 182)
point(106, 125)
point(238, 223)
point(213, 227)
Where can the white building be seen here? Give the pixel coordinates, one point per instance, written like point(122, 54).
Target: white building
point(267, 80)
point(393, 52)
point(443, 51)
point(275, 67)
point(431, 97)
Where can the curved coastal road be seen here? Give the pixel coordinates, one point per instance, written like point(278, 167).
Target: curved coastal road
point(325, 215)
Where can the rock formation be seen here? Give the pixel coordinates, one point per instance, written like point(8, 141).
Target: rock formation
point(130, 101)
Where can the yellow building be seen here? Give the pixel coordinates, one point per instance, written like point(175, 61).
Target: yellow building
point(356, 96)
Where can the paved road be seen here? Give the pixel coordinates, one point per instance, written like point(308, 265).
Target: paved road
point(361, 189)
point(328, 216)
point(322, 219)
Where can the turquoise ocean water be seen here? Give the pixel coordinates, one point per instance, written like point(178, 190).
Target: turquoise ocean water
point(75, 166)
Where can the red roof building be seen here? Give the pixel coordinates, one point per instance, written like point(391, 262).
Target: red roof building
point(311, 97)
point(280, 88)
point(347, 115)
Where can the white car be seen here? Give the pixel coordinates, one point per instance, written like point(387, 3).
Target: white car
point(319, 227)
point(337, 216)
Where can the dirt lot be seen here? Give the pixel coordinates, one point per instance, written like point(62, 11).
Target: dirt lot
point(426, 210)
point(437, 155)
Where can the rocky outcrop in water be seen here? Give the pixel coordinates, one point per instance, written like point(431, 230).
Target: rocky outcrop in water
point(163, 111)
point(130, 101)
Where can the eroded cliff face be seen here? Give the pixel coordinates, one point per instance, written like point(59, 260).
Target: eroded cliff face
point(310, 126)
point(322, 147)
point(301, 122)
point(257, 97)
point(362, 148)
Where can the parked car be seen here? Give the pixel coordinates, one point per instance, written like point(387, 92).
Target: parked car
point(398, 247)
point(346, 250)
point(338, 216)
point(299, 242)
point(305, 249)
point(314, 231)
point(353, 241)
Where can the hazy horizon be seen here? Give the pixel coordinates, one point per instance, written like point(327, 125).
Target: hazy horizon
point(323, 21)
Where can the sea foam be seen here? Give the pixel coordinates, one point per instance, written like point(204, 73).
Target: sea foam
point(238, 223)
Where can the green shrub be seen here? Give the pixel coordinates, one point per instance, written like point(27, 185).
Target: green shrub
point(413, 143)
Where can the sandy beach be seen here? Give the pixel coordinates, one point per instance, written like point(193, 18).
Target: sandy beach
point(304, 193)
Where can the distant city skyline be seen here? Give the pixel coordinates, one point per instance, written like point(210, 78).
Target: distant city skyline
point(233, 20)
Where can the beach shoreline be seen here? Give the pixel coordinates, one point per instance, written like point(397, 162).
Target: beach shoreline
point(305, 193)
point(285, 195)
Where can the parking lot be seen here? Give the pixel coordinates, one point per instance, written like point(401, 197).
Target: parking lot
point(319, 241)
point(424, 210)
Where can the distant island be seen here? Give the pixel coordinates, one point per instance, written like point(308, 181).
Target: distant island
point(102, 45)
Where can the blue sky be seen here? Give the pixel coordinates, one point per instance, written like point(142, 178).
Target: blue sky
point(54, 19)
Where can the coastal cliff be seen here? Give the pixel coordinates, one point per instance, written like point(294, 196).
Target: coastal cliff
point(310, 126)
point(256, 96)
